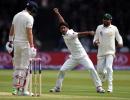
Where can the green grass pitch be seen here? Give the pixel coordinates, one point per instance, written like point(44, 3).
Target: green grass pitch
point(76, 86)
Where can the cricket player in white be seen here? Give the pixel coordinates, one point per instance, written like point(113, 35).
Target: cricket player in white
point(21, 40)
point(78, 55)
point(105, 40)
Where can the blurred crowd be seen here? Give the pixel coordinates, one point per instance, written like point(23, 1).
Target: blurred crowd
point(81, 15)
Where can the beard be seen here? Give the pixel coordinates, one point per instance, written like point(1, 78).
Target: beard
point(106, 24)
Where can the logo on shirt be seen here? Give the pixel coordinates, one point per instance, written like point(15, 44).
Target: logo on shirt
point(110, 33)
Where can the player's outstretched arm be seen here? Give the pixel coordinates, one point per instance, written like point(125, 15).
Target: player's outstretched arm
point(60, 18)
point(86, 33)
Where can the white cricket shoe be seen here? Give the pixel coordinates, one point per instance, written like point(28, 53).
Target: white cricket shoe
point(110, 89)
point(100, 90)
point(55, 89)
point(27, 93)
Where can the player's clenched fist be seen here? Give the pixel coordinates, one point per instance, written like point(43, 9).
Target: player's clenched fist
point(56, 10)
point(96, 42)
point(92, 32)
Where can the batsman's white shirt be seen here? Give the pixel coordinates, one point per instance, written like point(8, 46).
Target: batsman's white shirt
point(21, 21)
point(106, 37)
point(73, 44)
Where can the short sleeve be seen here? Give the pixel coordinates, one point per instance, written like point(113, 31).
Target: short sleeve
point(72, 34)
point(75, 34)
point(118, 36)
point(96, 36)
point(14, 19)
point(30, 22)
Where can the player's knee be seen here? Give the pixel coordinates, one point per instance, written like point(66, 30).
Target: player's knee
point(61, 71)
point(98, 69)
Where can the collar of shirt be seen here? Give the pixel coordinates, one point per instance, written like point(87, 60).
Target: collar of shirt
point(107, 27)
point(70, 31)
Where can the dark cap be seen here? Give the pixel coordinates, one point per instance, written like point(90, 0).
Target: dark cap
point(107, 17)
point(32, 6)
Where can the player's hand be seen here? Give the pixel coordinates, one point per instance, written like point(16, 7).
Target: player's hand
point(9, 47)
point(96, 43)
point(92, 33)
point(56, 10)
point(32, 52)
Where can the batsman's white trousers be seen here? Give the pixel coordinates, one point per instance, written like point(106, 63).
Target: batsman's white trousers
point(87, 63)
point(21, 55)
point(21, 63)
point(105, 63)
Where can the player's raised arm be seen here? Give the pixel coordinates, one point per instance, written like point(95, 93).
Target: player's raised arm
point(60, 18)
point(86, 33)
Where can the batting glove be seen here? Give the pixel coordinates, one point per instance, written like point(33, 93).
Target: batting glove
point(9, 47)
point(33, 52)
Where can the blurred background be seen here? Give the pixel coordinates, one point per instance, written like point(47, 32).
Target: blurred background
point(81, 15)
